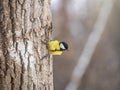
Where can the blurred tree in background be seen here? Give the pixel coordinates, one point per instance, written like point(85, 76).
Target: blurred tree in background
point(73, 21)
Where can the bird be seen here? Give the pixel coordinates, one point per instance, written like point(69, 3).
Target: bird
point(56, 47)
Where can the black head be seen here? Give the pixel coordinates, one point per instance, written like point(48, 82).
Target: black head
point(63, 46)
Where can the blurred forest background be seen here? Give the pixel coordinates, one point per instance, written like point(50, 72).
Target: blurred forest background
point(73, 22)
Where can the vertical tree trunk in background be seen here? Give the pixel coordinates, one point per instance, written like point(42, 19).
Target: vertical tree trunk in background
point(25, 63)
point(93, 39)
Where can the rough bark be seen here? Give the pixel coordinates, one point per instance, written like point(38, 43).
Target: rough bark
point(25, 62)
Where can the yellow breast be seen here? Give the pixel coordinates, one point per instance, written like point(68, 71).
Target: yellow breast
point(54, 47)
point(56, 52)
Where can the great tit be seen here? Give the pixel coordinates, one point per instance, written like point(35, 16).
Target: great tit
point(56, 47)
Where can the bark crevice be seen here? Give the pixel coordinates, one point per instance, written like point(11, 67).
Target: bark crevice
point(12, 6)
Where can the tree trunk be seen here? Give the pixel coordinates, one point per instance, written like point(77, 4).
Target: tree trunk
point(25, 62)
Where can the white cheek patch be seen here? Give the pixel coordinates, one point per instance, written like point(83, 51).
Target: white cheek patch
point(62, 46)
